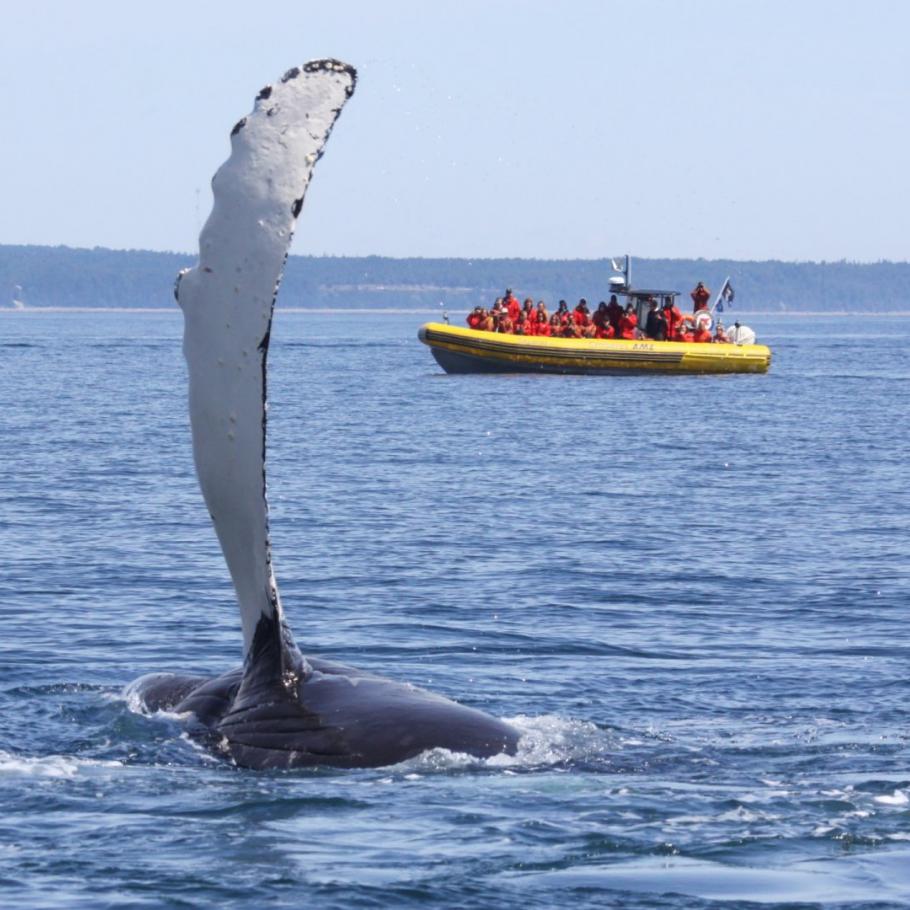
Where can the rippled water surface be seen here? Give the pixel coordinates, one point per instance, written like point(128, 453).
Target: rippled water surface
point(690, 593)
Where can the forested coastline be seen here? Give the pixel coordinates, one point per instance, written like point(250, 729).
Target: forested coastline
point(40, 276)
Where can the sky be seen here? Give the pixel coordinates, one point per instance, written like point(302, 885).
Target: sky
point(479, 128)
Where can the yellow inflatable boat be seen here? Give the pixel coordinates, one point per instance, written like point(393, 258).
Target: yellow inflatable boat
point(464, 350)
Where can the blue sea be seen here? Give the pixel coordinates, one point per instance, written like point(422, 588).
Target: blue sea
point(691, 594)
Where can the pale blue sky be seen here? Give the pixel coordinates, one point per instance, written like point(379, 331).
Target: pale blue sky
point(500, 128)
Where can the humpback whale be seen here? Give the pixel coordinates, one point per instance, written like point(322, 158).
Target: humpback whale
point(279, 709)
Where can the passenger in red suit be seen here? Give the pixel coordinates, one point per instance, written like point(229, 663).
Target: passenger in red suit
point(673, 318)
point(541, 324)
point(581, 313)
point(628, 322)
point(684, 332)
point(512, 305)
point(477, 317)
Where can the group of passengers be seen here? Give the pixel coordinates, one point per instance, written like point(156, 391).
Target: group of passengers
point(609, 320)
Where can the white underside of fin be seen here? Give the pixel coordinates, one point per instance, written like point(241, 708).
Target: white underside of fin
point(227, 302)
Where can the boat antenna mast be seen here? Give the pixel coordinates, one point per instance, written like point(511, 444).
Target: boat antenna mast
point(623, 265)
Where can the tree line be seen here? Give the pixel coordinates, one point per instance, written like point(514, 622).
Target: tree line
point(41, 276)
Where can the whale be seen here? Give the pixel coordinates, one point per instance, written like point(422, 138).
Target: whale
point(279, 709)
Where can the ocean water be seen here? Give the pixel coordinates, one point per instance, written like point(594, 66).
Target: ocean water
point(691, 594)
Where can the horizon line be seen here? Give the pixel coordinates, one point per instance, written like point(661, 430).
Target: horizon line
point(417, 311)
point(125, 250)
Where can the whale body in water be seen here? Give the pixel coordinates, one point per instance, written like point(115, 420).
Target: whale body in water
point(280, 709)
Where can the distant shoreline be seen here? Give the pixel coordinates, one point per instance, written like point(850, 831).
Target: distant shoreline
point(101, 280)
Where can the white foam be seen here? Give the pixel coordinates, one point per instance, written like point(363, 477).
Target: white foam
point(132, 695)
point(897, 798)
point(545, 740)
point(549, 739)
point(49, 766)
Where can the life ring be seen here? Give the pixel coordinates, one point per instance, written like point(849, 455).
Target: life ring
point(703, 320)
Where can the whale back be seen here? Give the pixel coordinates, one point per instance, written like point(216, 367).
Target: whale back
point(228, 300)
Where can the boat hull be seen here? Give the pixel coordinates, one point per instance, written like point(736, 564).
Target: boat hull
point(462, 350)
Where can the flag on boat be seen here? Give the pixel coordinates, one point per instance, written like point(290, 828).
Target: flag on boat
point(725, 296)
point(618, 263)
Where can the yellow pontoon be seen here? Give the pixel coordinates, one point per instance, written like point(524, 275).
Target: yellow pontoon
point(464, 350)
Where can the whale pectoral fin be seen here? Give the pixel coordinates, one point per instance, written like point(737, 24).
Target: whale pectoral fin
point(227, 302)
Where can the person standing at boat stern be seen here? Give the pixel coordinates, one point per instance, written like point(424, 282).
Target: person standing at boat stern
point(700, 297)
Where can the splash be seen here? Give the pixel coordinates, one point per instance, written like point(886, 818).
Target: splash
point(547, 741)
